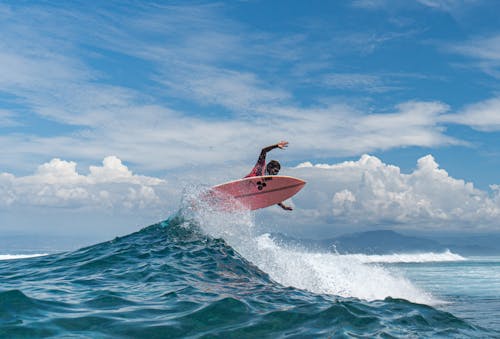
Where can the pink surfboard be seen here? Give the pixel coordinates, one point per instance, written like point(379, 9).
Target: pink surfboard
point(259, 192)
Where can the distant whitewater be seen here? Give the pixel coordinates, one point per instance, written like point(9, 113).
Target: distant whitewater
point(203, 273)
point(20, 256)
point(446, 256)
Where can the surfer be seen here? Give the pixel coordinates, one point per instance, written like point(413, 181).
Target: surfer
point(272, 168)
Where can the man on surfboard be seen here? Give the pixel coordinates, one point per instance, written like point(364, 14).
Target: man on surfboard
point(272, 168)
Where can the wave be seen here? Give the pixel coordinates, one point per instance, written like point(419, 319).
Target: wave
point(201, 273)
point(395, 258)
point(323, 273)
point(334, 274)
point(20, 256)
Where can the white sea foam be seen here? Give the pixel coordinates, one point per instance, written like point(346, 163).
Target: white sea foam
point(329, 273)
point(446, 256)
point(325, 273)
point(20, 256)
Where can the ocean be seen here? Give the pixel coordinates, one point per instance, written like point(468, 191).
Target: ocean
point(201, 274)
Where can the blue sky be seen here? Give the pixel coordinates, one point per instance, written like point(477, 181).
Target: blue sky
point(178, 92)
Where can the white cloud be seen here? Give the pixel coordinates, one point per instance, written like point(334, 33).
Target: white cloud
point(415, 123)
point(369, 4)
point(357, 82)
point(451, 6)
point(361, 194)
point(482, 116)
point(58, 184)
point(160, 138)
point(189, 52)
point(56, 84)
point(370, 194)
point(485, 50)
point(237, 91)
point(482, 48)
point(112, 170)
point(368, 43)
point(343, 130)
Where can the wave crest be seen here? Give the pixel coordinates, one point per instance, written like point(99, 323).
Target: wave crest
point(21, 256)
point(395, 258)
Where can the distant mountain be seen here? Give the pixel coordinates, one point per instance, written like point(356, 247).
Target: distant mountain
point(384, 242)
point(388, 242)
point(472, 245)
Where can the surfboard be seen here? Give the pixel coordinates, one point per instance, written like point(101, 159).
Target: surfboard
point(258, 192)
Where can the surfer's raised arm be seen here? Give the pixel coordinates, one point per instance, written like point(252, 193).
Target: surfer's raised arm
point(273, 167)
point(282, 144)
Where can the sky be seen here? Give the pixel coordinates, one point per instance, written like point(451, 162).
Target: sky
point(109, 111)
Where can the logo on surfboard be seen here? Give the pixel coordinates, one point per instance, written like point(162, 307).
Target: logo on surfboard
point(260, 185)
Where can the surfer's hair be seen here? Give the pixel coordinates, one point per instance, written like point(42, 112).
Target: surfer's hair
point(273, 163)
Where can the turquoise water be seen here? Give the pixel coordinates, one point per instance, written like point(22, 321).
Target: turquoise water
point(469, 289)
point(202, 277)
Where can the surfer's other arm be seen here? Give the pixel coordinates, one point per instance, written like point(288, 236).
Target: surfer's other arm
point(273, 167)
point(286, 208)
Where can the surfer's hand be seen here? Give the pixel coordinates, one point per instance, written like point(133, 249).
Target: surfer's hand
point(282, 144)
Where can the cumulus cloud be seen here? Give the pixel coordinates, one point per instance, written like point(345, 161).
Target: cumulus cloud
point(370, 193)
point(361, 194)
point(58, 184)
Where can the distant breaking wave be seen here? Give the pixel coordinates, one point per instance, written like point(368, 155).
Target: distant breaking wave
point(20, 256)
point(446, 256)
